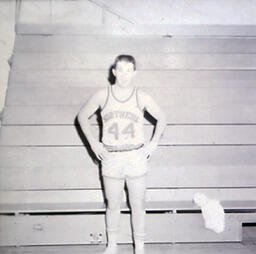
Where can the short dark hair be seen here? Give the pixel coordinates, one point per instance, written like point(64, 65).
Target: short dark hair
point(126, 58)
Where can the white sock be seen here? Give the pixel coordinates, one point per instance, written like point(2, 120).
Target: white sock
point(112, 235)
point(139, 250)
point(139, 244)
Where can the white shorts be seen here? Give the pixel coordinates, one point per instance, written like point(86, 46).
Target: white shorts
point(121, 164)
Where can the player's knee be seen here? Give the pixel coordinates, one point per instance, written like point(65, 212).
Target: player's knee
point(137, 204)
point(114, 204)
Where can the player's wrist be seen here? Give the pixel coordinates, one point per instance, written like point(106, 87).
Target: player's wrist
point(152, 144)
point(149, 148)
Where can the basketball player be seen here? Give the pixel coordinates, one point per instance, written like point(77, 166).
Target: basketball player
point(123, 151)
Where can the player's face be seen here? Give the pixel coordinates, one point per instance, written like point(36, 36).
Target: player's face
point(124, 73)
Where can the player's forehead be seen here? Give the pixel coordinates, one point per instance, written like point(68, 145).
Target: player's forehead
point(124, 65)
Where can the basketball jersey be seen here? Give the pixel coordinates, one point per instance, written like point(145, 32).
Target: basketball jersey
point(122, 122)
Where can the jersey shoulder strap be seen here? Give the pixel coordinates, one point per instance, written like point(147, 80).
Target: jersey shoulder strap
point(107, 98)
point(138, 100)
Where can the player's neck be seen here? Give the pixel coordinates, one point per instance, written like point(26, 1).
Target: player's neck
point(123, 89)
point(122, 93)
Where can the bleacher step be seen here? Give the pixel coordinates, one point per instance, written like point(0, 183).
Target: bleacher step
point(90, 229)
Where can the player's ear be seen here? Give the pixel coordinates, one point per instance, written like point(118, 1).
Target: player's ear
point(114, 71)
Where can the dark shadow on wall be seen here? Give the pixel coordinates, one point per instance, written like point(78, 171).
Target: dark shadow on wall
point(88, 148)
point(111, 77)
point(111, 80)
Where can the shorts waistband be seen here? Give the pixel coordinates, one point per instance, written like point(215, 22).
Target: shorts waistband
point(123, 148)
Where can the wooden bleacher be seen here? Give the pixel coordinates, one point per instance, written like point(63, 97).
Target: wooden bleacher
point(51, 190)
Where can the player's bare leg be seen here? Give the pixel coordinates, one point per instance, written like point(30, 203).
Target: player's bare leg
point(137, 189)
point(114, 193)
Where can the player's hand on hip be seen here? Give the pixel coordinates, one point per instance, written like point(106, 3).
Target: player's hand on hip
point(99, 150)
point(149, 148)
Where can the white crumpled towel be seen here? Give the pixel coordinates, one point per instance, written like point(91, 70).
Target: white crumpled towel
point(213, 213)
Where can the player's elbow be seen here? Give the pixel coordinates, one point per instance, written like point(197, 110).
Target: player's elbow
point(79, 117)
point(82, 118)
point(162, 119)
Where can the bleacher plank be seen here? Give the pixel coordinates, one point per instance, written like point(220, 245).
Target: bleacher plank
point(180, 114)
point(247, 217)
point(167, 29)
point(157, 61)
point(77, 229)
point(38, 96)
point(190, 222)
point(175, 167)
point(166, 78)
point(48, 96)
point(180, 156)
point(8, 237)
point(173, 135)
point(132, 44)
point(88, 176)
point(152, 204)
point(83, 200)
point(223, 104)
point(170, 206)
point(40, 115)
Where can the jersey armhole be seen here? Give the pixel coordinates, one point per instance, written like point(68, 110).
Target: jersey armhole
point(106, 99)
point(138, 103)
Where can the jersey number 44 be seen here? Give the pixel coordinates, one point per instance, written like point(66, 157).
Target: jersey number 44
point(128, 131)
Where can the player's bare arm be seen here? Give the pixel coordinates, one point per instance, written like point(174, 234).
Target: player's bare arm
point(147, 103)
point(88, 109)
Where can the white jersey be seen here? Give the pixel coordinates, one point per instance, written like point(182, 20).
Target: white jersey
point(122, 123)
